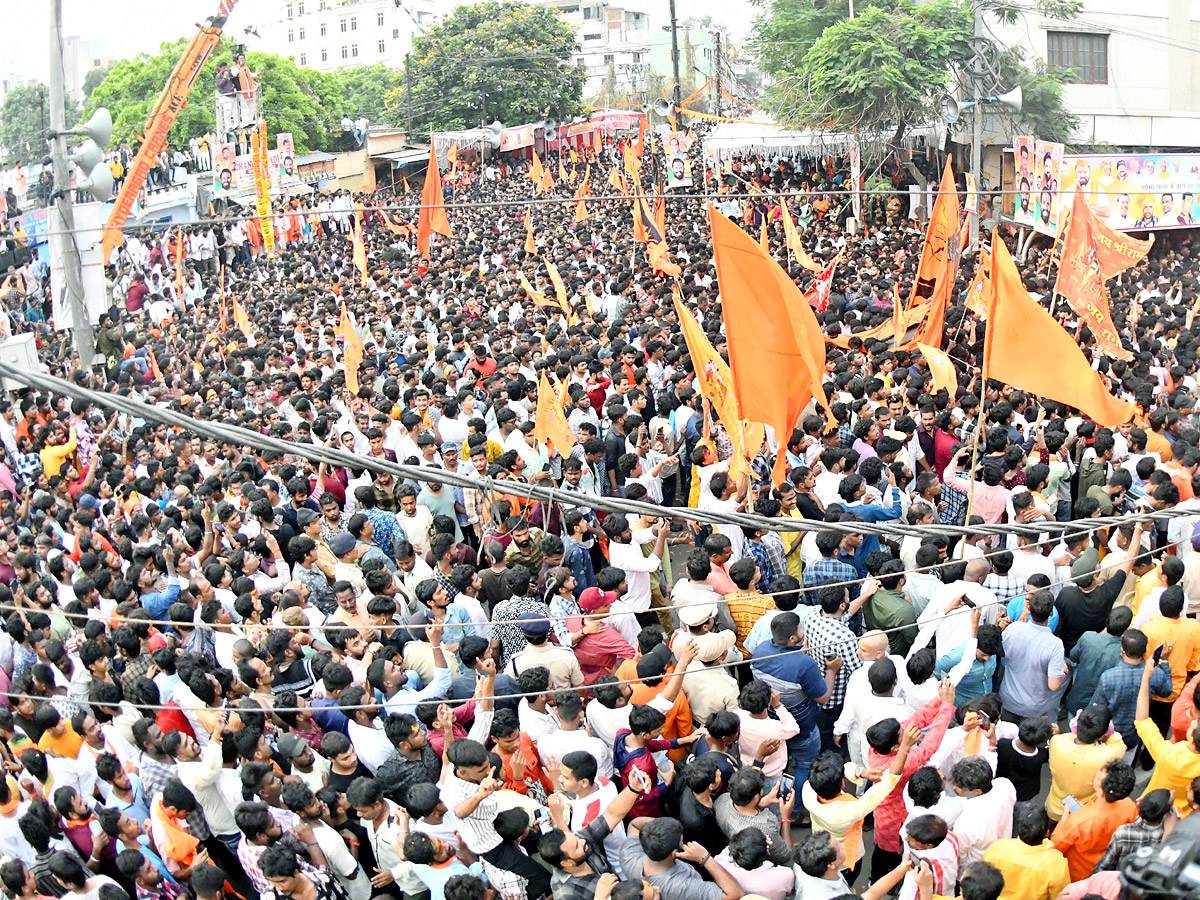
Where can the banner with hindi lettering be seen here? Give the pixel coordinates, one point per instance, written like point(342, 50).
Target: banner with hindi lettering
point(1135, 191)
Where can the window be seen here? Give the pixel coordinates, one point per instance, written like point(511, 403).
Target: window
point(637, 57)
point(304, 59)
point(289, 10)
point(379, 19)
point(608, 57)
point(322, 29)
point(354, 23)
point(291, 36)
point(382, 47)
point(354, 49)
point(324, 55)
point(300, 8)
point(1086, 53)
point(345, 52)
point(301, 34)
point(343, 24)
point(589, 12)
point(396, 33)
point(321, 4)
point(591, 37)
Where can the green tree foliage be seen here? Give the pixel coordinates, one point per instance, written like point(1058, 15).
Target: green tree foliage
point(495, 60)
point(93, 78)
point(305, 102)
point(364, 89)
point(24, 119)
point(886, 70)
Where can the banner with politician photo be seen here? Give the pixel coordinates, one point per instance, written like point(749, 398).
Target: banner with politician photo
point(1023, 169)
point(1047, 162)
point(1134, 192)
point(679, 165)
point(225, 179)
point(285, 168)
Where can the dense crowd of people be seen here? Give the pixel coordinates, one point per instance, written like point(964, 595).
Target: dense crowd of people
point(240, 673)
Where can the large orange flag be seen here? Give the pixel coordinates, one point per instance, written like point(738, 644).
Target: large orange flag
point(716, 383)
point(776, 348)
point(660, 262)
point(939, 261)
point(1027, 349)
point(537, 297)
point(792, 238)
point(241, 319)
point(1080, 279)
point(535, 168)
point(433, 207)
point(352, 349)
point(615, 179)
point(550, 425)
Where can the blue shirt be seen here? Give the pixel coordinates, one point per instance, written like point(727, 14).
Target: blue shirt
point(1018, 607)
point(825, 571)
point(158, 602)
point(578, 559)
point(978, 679)
point(1118, 690)
point(796, 676)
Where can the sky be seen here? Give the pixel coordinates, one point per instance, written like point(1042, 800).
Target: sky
point(128, 27)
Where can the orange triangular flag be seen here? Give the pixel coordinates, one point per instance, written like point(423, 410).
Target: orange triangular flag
point(530, 246)
point(1027, 349)
point(352, 349)
point(550, 425)
point(537, 297)
point(776, 370)
point(241, 319)
point(547, 182)
point(560, 292)
point(581, 194)
point(452, 157)
point(939, 260)
point(562, 170)
point(535, 168)
point(433, 206)
point(792, 237)
point(657, 254)
point(716, 383)
point(762, 237)
point(360, 252)
point(154, 369)
point(974, 299)
point(404, 178)
point(1080, 279)
point(615, 179)
point(941, 368)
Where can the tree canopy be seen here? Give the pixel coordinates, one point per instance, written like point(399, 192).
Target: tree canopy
point(886, 70)
point(305, 102)
point(24, 118)
point(493, 60)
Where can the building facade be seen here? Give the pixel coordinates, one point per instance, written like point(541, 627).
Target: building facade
point(1136, 64)
point(332, 34)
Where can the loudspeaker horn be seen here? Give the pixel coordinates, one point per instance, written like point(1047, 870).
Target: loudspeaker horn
point(98, 127)
point(664, 107)
point(1010, 100)
point(950, 109)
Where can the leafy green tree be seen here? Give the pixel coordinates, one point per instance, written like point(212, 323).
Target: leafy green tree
point(363, 90)
point(24, 119)
point(499, 59)
point(294, 99)
point(886, 70)
point(93, 78)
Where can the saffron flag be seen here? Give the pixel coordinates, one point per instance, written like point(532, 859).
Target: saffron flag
point(537, 297)
point(660, 214)
point(716, 383)
point(154, 369)
point(550, 425)
point(615, 179)
point(404, 178)
point(360, 252)
point(974, 298)
point(645, 229)
point(241, 319)
point(562, 170)
point(941, 368)
point(530, 246)
point(393, 223)
point(581, 196)
point(659, 261)
point(792, 237)
point(560, 292)
point(776, 348)
point(535, 168)
point(939, 261)
point(452, 157)
point(433, 207)
point(547, 182)
point(352, 349)
point(1026, 348)
point(763, 241)
point(1080, 279)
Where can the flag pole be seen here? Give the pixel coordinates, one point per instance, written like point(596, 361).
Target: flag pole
point(984, 370)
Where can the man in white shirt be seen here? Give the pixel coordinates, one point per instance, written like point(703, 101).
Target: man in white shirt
point(364, 728)
point(948, 614)
point(625, 554)
point(987, 814)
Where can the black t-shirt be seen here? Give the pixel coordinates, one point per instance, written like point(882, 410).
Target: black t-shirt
point(1024, 771)
point(700, 823)
point(340, 782)
point(808, 507)
point(1081, 611)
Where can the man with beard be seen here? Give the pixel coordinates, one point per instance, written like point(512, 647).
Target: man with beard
point(578, 857)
